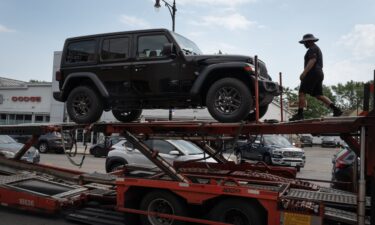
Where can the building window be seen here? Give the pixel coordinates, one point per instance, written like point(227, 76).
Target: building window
point(38, 119)
point(27, 119)
point(115, 48)
point(47, 118)
point(81, 52)
point(3, 119)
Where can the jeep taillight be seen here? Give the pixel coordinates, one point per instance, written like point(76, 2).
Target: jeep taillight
point(58, 75)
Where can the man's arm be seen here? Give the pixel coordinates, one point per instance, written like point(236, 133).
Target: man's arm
point(309, 66)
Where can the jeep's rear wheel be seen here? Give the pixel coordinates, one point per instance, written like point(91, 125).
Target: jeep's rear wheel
point(84, 105)
point(127, 116)
point(229, 100)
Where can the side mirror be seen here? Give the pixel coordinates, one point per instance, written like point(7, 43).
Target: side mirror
point(168, 50)
point(174, 152)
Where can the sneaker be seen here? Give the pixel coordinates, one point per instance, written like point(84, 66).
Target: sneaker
point(296, 117)
point(337, 112)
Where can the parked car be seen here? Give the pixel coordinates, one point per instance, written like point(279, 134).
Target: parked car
point(48, 142)
point(102, 148)
point(9, 147)
point(273, 150)
point(124, 153)
point(344, 169)
point(329, 142)
point(306, 140)
point(127, 72)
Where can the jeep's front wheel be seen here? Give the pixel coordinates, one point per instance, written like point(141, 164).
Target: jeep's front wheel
point(84, 105)
point(127, 116)
point(229, 100)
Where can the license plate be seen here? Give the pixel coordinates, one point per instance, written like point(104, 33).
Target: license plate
point(293, 164)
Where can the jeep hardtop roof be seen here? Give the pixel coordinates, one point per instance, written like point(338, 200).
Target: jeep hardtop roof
point(117, 33)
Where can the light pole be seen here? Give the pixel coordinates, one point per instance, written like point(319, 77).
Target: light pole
point(172, 10)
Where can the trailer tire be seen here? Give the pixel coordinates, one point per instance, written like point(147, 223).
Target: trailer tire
point(162, 202)
point(237, 212)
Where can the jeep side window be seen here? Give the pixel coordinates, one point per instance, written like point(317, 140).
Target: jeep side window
point(115, 48)
point(80, 52)
point(151, 46)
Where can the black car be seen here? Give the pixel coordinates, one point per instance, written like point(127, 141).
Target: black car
point(306, 140)
point(273, 150)
point(345, 169)
point(48, 142)
point(102, 148)
point(329, 142)
point(126, 72)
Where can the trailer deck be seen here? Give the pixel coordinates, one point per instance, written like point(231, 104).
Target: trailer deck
point(273, 192)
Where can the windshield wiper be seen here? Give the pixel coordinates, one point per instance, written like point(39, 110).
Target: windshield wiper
point(187, 51)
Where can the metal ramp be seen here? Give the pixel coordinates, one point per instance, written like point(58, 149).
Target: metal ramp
point(94, 216)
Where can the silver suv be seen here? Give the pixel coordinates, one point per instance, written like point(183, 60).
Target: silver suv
point(124, 153)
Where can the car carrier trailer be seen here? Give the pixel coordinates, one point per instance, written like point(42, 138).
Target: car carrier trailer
point(192, 192)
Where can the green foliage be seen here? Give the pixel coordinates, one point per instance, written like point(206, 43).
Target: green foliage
point(349, 95)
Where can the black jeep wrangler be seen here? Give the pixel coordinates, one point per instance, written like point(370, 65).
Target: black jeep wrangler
point(129, 71)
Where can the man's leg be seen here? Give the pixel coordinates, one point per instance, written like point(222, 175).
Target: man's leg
point(329, 103)
point(301, 105)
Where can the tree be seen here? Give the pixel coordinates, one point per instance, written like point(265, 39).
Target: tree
point(349, 95)
point(314, 108)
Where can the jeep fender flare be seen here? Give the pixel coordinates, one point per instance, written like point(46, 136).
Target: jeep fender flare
point(98, 84)
point(206, 73)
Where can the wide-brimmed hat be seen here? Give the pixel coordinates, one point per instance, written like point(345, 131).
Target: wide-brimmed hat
point(308, 37)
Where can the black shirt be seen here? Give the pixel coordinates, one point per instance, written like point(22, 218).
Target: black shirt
point(314, 52)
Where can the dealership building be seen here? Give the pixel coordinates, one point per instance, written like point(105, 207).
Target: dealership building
point(32, 102)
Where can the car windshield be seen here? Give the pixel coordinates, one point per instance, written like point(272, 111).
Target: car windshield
point(187, 147)
point(277, 140)
point(5, 139)
point(188, 47)
point(328, 139)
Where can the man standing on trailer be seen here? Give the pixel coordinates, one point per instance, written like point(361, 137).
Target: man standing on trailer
point(312, 78)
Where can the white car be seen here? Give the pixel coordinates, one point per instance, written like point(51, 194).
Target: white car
point(171, 150)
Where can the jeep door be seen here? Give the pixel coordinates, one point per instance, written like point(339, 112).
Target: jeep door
point(154, 75)
point(115, 64)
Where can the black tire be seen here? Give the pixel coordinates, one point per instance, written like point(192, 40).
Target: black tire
point(229, 100)
point(43, 147)
point(115, 166)
point(84, 105)
point(267, 159)
point(237, 212)
point(162, 202)
point(96, 152)
point(239, 158)
point(262, 112)
point(127, 116)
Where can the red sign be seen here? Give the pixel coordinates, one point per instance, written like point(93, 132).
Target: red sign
point(26, 99)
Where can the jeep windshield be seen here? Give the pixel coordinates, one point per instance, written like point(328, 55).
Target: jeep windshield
point(188, 47)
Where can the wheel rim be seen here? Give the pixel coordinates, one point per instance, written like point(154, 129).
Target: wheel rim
point(160, 206)
point(81, 105)
point(236, 217)
point(239, 158)
point(227, 100)
point(43, 148)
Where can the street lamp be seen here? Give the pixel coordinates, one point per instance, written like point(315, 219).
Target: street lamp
point(172, 10)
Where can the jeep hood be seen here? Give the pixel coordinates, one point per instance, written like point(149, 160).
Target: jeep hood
point(213, 59)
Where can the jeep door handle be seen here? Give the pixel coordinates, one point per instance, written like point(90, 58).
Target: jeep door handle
point(106, 67)
point(139, 67)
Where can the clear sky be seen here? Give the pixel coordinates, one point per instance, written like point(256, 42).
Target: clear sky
point(31, 30)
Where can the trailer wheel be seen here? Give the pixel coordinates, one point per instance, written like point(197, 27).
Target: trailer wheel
point(162, 202)
point(237, 212)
